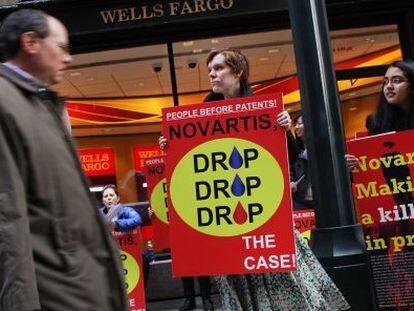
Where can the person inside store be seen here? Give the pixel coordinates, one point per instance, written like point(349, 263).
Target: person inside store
point(122, 218)
point(300, 184)
point(118, 217)
point(55, 252)
point(309, 288)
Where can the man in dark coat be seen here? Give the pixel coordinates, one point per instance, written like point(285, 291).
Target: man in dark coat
point(55, 251)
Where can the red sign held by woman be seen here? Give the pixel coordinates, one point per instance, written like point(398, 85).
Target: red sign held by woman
point(228, 188)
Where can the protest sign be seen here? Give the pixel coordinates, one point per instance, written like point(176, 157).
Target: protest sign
point(131, 257)
point(304, 221)
point(157, 195)
point(228, 188)
point(383, 191)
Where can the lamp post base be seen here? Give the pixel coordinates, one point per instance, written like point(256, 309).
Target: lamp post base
point(341, 251)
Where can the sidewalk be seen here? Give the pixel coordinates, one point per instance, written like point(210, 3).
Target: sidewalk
point(174, 304)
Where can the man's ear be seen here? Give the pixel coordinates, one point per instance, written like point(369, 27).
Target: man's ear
point(29, 42)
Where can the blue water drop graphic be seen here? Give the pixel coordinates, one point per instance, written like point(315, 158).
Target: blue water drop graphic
point(237, 187)
point(236, 160)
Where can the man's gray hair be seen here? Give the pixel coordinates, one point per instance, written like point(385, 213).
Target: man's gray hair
point(16, 24)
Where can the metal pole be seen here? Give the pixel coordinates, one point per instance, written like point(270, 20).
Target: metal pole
point(406, 34)
point(338, 240)
point(172, 73)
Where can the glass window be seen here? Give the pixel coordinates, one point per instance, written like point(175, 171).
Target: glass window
point(270, 54)
point(362, 47)
point(110, 92)
point(358, 103)
point(113, 97)
point(122, 92)
point(272, 60)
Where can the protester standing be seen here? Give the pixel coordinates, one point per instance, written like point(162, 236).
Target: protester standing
point(395, 110)
point(309, 288)
point(300, 184)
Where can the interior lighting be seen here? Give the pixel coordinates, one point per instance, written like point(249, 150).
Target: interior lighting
point(273, 51)
point(96, 189)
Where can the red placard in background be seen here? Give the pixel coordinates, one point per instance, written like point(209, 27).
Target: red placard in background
point(131, 257)
point(97, 162)
point(157, 196)
point(228, 188)
point(383, 190)
point(304, 221)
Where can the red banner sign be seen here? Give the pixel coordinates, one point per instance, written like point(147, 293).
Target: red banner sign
point(97, 162)
point(383, 189)
point(228, 188)
point(131, 256)
point(141, 153)
point(157, 194)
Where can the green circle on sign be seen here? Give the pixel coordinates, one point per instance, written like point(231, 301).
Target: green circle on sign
point(158, 201)
point(131, 269)
point(208, 194)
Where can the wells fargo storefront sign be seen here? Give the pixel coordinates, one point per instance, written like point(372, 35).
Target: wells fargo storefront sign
point(166, 9)
point(97, 162)
point(97, 19)
point(142, 153)
point(383, 189)
point(228, 188)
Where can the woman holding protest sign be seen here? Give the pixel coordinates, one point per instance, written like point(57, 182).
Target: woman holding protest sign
point(395, 111)
point(309, 288)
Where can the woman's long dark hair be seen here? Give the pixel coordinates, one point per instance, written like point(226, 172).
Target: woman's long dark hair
point(299, 141)
point(390, 118)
